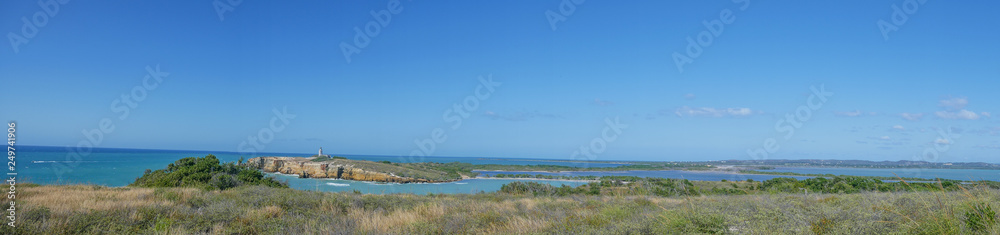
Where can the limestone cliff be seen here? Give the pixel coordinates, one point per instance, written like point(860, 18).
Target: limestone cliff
point(334, 169)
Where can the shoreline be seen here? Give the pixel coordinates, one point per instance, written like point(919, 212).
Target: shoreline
point(569, 180)
point(463, 179)
point(559, 172)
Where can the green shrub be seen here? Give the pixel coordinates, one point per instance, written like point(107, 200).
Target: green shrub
point(940, 224)
point(205, 173)
point(531, 188)
point(163, 225)
point(980, 217)
point(37, 214)
point(688, 223)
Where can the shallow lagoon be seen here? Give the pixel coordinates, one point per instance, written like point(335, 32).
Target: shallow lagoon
point(490, 185)
point(675, 174)
point(463, 186)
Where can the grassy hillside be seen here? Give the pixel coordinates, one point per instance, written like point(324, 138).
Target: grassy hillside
point(266, 210)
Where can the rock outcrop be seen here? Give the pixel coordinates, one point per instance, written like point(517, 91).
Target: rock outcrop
point(337, 169)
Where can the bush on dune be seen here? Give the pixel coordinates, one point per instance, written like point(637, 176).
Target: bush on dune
point(206, 173)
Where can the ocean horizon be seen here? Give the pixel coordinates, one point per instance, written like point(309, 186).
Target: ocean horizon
point(116, 167)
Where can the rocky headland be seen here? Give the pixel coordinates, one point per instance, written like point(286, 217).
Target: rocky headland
point(347, 169)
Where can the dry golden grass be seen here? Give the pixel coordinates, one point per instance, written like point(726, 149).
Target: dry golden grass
point(269, 211)
point(524, 225)
point(71, 199)
point(663, 200)
point(382, 223)
point(528, 203)
point(430, 211)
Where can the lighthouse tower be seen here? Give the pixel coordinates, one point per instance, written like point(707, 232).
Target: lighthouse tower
point(320, 151)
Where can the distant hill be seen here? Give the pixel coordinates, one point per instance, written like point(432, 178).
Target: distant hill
point(862, 164)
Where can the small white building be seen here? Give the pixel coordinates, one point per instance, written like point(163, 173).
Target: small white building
point(320, 151)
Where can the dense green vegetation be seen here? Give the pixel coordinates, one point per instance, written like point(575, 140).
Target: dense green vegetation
point(855, 184)
point(206, 173)
point(832, 175)
point(638, 186)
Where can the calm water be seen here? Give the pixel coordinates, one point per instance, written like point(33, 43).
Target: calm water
point(992, 175)
point(119, 167)
point(463, 186)
point(690, 175)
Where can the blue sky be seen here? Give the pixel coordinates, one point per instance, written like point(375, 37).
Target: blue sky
point(924, 91)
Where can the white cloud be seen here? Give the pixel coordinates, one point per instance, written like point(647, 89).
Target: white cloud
point(713, 112)
point(912, 116)
point(885, 138)
point(961, 115)
point(600, 102)
point(988, 146)
point(942, 141)
point(519, 116)
point(855, 113)
point(955, 109)
point(898, 127)
point(953, 104)
point(690, 96)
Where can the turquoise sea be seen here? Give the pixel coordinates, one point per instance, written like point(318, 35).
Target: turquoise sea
point(119, 167)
